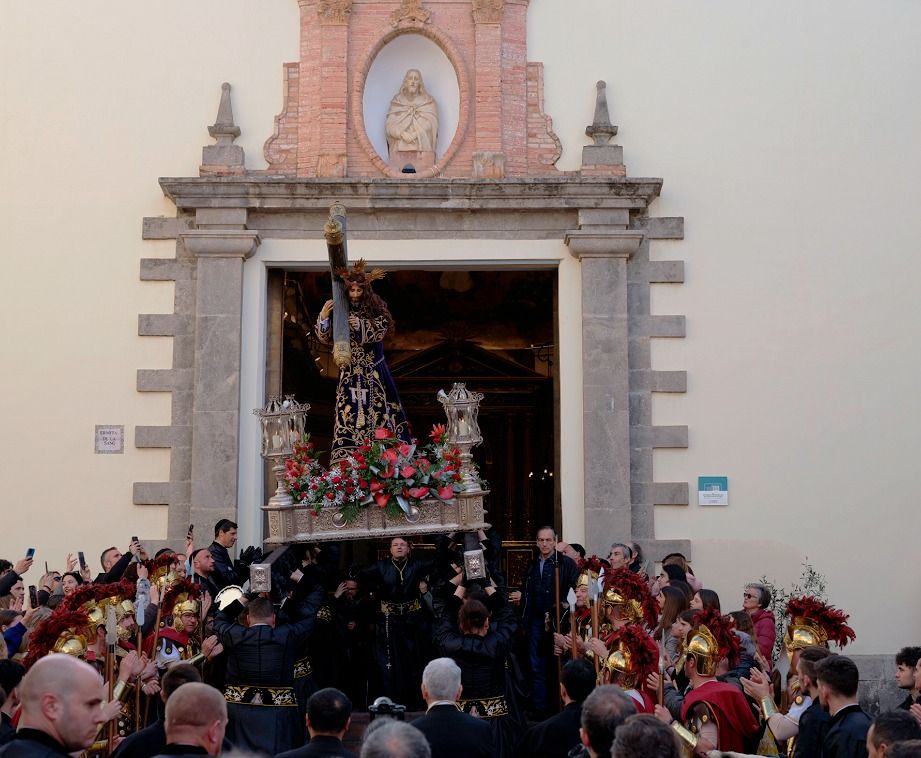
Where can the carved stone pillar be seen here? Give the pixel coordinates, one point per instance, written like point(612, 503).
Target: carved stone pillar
point(603, 245)
point(215, 417)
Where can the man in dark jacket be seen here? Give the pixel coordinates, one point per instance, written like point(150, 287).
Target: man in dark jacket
point(559, 734)
point(196, 717)
point(538, 600)
point(837, 678)
point(114, 563)
point(451, 733)
point(226, 572)
point(329, 714)
point(61, 709)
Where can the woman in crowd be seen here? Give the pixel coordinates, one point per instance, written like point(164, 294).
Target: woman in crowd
point(755, 601)
point(672, 602)
point(704, 600)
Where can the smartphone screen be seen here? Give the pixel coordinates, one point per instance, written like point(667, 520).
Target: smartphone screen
point(33, 596)
point(30, 553)
point(191, 528)
point(134, 539)
point(82, 560)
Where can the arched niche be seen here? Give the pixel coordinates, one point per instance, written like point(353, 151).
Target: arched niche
point(381, 77)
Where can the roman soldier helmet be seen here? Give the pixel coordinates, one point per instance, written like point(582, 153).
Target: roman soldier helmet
point(634, 656)
point(627, 591)
point(162, 571)
point(95, 599)
point(61, 632)
point(813, 622)
point(182, 597)
point(710, 639)
point(589, 571)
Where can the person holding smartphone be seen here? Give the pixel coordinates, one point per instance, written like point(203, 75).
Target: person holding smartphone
point(10, 578)
point(114, 563)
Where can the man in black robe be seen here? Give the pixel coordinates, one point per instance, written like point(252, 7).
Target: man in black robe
point(559, 734)
point(398, 663)
point(196, 718)
point(260, 669)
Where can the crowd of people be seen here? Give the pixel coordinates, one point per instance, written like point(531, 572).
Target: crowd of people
point(170, 655)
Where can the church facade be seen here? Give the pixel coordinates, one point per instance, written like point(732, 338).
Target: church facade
point(734, 326)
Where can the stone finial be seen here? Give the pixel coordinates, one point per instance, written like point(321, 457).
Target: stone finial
point(602, 158)
point(223, 129)
point(224, 157)
point(601, 130)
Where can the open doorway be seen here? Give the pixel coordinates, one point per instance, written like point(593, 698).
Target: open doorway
point(493, 330)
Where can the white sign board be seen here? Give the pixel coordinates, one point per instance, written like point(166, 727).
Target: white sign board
point(713, 490)
point(110, 439)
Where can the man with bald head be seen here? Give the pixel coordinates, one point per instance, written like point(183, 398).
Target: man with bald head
point(62, 701)
point(196, 717)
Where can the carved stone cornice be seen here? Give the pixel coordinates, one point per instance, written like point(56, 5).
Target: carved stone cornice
point(410, 13)
point(488, 11)
point(334, 12)
point(595, 243)
point(447, 195)
point(220, 243)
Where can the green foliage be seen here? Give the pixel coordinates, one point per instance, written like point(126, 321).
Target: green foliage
point(810, 583)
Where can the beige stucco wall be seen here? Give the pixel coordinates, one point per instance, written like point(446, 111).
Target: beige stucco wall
point(787, 134)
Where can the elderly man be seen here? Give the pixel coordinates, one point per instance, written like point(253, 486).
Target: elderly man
point(61, 709)
point(196, 717)
point(395, 739)
point(450, 732)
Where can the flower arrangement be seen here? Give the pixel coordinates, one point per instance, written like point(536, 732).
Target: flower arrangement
point(384, 472)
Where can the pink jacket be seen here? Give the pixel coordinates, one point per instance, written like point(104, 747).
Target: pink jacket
point(765, 631)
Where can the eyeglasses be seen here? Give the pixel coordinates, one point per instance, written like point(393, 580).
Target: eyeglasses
point(749, 596)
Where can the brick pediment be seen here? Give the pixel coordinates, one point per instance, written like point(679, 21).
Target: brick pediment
point(501, 129)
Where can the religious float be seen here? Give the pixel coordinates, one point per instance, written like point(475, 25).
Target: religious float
point(380, 483)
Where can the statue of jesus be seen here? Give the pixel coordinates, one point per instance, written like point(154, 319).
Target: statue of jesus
point(412, 121)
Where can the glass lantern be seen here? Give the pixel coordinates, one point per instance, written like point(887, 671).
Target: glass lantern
point(461, 407)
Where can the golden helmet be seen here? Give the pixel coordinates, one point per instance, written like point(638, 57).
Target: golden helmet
point(703, 647)
point(183, 604)
point(634, 655)
point(801, 632)
point(589, 571)
point(70, 644)
point(814, 622)
point(627, 591)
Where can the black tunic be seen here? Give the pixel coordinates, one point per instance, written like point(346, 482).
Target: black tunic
point(483, 664)
point(398, 637)
point(260, 697)
point(33, 743)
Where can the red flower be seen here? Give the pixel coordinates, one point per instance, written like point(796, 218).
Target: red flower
point(423, 464)
point(362, 483)
point(330, 496)
point(438, 432)
point(381, 499)
point(382, 434)
point(389, 456)
point(419, 492)
point(376, 487)
point(407, 472)
point(405, 449)
point(337, 479)
point(388, 472)
point(445, 493)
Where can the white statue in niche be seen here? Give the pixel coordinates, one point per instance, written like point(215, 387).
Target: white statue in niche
point(412, 121)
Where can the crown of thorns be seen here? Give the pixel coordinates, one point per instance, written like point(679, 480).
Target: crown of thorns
point(359, 275)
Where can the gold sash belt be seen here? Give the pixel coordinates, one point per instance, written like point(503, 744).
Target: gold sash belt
point(399, 609)
point(275, 697)
point(484, 707)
